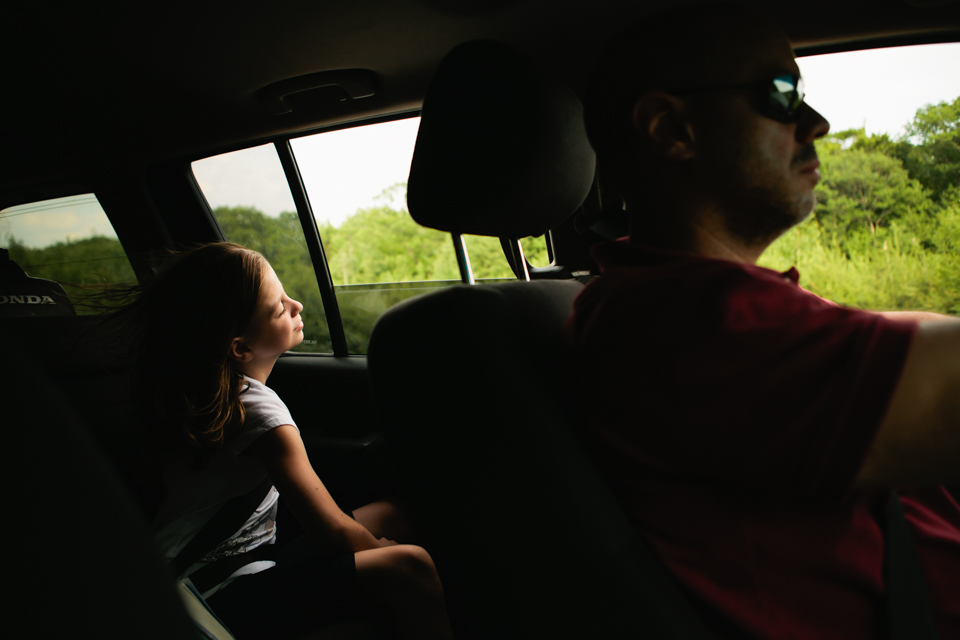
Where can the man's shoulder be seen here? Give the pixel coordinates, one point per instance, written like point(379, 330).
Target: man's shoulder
point(682, 300)
point(633, 275)
point(634, 262)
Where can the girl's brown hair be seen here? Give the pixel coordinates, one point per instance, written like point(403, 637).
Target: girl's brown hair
point(181, 324)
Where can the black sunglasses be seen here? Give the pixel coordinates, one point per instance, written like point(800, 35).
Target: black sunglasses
point(784, 95)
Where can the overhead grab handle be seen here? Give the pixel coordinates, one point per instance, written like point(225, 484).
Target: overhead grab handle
point(357, 83)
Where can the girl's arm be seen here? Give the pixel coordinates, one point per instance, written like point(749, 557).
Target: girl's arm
point(282, 452)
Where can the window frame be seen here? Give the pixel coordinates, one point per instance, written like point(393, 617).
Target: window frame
point(308, 223)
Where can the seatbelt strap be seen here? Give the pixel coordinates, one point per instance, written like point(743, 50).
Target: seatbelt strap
point(224, 523)
point(909, 613)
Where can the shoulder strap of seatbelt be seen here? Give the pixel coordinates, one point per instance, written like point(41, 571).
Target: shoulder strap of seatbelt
point(909, 613)
point(224, 523)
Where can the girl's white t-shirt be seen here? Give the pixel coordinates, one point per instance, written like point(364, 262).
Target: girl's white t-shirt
point(195, 495)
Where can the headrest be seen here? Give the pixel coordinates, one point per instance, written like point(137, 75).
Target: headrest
point(24, 297)
point(502, 151)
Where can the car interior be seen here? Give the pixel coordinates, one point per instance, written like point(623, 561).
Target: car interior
point(461, 400)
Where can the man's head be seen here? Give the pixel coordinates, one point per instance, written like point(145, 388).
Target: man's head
point(679, 113)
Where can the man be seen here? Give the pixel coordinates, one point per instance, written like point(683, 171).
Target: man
point(751, 430)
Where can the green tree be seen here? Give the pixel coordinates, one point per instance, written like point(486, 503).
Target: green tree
point(381, 244)
point(863, 191)
point(929, 151)
point(90, 261)
point(934, 158)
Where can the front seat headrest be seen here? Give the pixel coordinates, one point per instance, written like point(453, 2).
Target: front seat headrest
point(502, 151)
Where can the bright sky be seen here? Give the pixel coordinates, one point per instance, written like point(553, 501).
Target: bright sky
point(42, 223)
point(342, 170)
point(881, 89)
point(346, 170)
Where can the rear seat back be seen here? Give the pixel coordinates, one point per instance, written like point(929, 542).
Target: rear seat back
point(81, 562)
point(94, 377)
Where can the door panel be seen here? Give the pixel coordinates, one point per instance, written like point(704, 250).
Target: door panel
point(329, 397)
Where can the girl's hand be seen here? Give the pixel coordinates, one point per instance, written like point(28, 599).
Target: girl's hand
point(387, 543)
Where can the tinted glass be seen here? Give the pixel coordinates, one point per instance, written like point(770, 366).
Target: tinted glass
point(251, 201)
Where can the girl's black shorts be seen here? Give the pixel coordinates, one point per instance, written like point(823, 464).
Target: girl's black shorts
point(304, 592)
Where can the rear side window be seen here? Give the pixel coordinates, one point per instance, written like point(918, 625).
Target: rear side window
point(69, 240)
point(251, 200)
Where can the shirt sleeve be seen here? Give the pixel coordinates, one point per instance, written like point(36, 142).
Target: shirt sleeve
point(720, 375)
point(263, 411)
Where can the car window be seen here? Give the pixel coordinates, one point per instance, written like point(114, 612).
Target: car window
point(250, 198)
point(885, 233)
point(489, 262)
point(378, 256)
point(69, 240)
point(536, 252)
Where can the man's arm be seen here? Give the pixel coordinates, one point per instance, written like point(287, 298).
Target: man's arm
point(919, 439)
point(282, 452)
point(917, 316)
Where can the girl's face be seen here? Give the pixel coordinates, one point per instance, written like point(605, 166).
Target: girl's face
point(276, 326)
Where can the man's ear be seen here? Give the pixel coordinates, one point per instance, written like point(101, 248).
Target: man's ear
point(239, 350)
point(661, 120)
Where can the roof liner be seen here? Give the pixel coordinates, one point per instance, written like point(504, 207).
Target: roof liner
point(97, 85)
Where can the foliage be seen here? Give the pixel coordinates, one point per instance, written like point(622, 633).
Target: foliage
point(898, 272)
point(381, 244)
point(935, 159)
point(379, 256)
point(930, 150)
point(863, 190)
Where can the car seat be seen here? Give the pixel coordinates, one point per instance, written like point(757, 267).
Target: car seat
point(527, 537)
point(23, 296)
point(80, 559)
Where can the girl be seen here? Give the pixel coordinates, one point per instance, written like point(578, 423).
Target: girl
point(207, 332)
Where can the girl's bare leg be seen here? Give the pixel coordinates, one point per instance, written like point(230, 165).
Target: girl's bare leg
point(385, 519)
point(403, 580)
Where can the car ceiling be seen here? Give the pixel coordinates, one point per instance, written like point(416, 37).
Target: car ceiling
point(94, 85)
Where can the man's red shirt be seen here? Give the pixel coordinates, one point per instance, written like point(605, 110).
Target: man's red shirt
point(731, 411)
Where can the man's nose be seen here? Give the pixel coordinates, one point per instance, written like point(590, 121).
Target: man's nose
point(811, 126)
